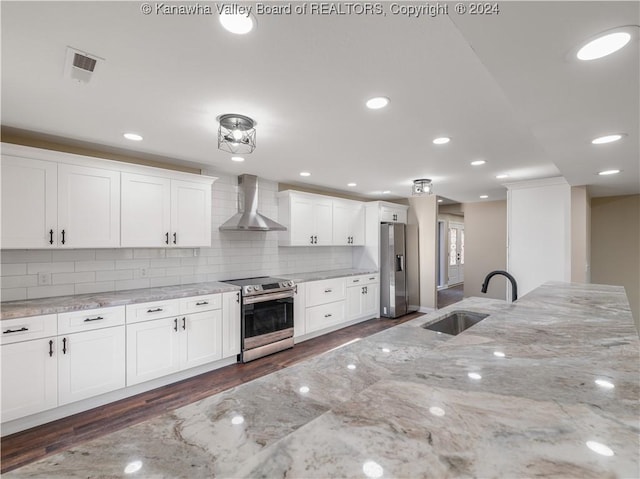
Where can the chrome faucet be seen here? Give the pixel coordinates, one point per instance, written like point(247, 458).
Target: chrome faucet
point(514, 285)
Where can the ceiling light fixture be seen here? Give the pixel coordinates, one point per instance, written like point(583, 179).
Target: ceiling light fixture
point(236, 133)
point(422, 187)
point(377, 102)
point(484, 197)
point(441, 140)
point(604, 45)
point(601, 140)
point(305, 173)
point(386, 192)
point(352, 184)
point(132, 136)
point(608, 172)
point(502, 177)
point(238, 159)
point(478, 162)
point(237, 23)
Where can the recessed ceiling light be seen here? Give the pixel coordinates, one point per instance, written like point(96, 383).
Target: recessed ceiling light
point(236, 23)
point(440, 201)
point(601, 140)
point(237, 158)
point(377, 102)
point(441, 140)
point(501, 177)
point(478, 162)
point(305, 173)
point(352, 184)
point(386, 192)
point(132, 136)
point(603, 45)
point(609, 172)
point(484, 197)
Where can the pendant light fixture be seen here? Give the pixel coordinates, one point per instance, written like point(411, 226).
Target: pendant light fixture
point(421, 187)
point(236, 133)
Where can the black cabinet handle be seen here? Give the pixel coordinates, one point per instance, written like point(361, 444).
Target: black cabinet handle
point(315, 240)
point(202, 303)
point(175, 238)
point(157, 310)
point(50, 347)
point(50, 236)
point(237, 297)
point(356, 280)
point(166, 237)
point(64, 345)
point(328, 315)
point(97, 318)
point(311, 239)
point(366, 290)
point(328, 290)
point(363, 291)
point(175, 324)
point(8, 331)
point(184, 323)
point(62, 236)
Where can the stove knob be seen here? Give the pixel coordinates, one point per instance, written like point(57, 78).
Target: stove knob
point(290, 283)
point(249, 289)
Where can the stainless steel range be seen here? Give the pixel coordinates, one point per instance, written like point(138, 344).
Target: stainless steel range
point(267, 316)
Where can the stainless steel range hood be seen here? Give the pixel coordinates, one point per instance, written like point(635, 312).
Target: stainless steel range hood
point(248, 217)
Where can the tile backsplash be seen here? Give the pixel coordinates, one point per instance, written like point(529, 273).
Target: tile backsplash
point(233, 254)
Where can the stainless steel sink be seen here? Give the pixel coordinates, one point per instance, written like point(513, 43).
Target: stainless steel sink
point(455, 322)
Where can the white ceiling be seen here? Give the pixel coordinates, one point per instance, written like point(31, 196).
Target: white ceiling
point(503, 87)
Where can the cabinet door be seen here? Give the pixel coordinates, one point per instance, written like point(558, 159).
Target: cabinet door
point(356, 225)
point(231, 325)
point(342, 213)
point(371, 300)
point(190, 214)
point(90, 363)
point(152, 349)
point(29, 378)
point(88, 207)
point(299, 310)
point(302, 224)
point(201, 338)
point(323, 213)
point(29, 203)
point(146, 211)
point(355, 300)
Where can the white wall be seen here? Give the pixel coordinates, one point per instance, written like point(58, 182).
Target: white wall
point(232, 255)
point(539, 232)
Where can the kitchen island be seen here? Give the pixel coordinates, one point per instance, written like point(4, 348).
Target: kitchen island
point(548, 386)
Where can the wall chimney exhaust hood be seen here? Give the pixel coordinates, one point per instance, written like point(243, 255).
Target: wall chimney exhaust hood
point(248, 218)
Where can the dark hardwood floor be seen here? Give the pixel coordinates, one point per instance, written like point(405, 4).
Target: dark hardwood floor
point(449, 296)
point(27, 446)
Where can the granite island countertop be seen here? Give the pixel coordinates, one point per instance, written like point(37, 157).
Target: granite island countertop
point(409, 402)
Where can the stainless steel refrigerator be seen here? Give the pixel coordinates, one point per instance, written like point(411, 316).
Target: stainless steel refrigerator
point(393, 276)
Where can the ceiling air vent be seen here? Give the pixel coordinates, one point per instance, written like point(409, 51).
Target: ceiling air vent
point(80, 66)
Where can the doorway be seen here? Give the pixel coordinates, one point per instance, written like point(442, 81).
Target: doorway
point(456, 253)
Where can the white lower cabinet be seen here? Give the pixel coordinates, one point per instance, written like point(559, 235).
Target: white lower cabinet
point(29, 378)
point(90, 363)
point(363, 293)
point(324, 316)
point(201, 338)
point(231, 324)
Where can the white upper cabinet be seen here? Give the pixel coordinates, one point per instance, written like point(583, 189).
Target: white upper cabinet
point(88, 207)
point(146, 210)
point(393, 214)
point(348, 223)
point(190, 213)
point(60, 200)
point(29, 203)
point(308, 218)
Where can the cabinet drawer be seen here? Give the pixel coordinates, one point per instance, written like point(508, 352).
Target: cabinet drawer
point(196, 304)
point(362, 280)
point(324, 316)
point(325, 291)
point(89, 319)
point(33, 327)
point(152, 310)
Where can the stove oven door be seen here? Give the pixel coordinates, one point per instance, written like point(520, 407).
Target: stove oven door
point(266, 318)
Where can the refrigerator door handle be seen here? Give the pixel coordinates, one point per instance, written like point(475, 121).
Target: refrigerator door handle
point(399, 262)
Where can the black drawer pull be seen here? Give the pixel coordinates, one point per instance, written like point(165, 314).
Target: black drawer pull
point(157, 310)
point(371, 279)
point(202, 303)
point(97, 318)
point(328, 315)
point(50, 347)
point(356, 280)
point(328, 290)
point(8, 331)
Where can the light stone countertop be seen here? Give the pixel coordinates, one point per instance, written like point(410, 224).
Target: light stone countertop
point(79, 302)
point(410, 403)
point(330, 274)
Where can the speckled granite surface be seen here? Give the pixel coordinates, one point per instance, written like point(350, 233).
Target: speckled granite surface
point(534, 390)
point(62, 304)
point(319, 275)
